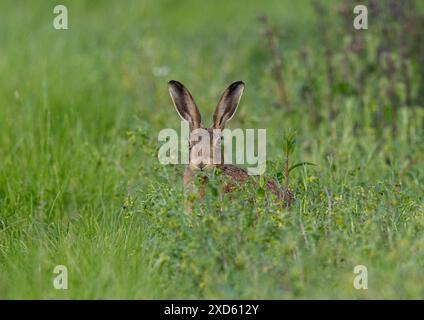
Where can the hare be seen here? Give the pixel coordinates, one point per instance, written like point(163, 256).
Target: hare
point(225, 110)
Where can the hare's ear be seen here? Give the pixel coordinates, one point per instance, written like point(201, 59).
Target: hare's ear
point(227, 106)
point(184, 103)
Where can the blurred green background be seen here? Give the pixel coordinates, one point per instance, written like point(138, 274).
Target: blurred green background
point(81, 186)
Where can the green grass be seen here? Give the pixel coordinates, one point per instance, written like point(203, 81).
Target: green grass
point(81, 186)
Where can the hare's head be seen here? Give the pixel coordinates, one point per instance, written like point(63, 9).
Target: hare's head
point(205, 143)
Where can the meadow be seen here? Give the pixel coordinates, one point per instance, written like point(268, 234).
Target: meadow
point(81, 184)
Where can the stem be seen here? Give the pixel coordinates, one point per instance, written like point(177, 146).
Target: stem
point(286, 173)
point(277, 68)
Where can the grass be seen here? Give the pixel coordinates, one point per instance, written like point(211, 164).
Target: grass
point(80, 184)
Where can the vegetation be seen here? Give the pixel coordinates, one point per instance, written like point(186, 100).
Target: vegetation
point(81, 186)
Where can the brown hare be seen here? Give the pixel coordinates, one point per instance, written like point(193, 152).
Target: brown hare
point(227, 106)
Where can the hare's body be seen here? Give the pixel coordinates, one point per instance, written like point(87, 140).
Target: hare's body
point(205, 144)
point(240, 175)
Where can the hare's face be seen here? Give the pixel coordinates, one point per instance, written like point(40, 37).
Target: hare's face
point(205, 149)
point(205, 144)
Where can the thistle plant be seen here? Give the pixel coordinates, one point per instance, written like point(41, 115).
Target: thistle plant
point(289, 145)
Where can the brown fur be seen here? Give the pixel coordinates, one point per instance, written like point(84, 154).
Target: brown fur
point(241, 176)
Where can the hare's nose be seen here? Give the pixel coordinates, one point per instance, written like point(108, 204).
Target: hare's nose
point(201, 165)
